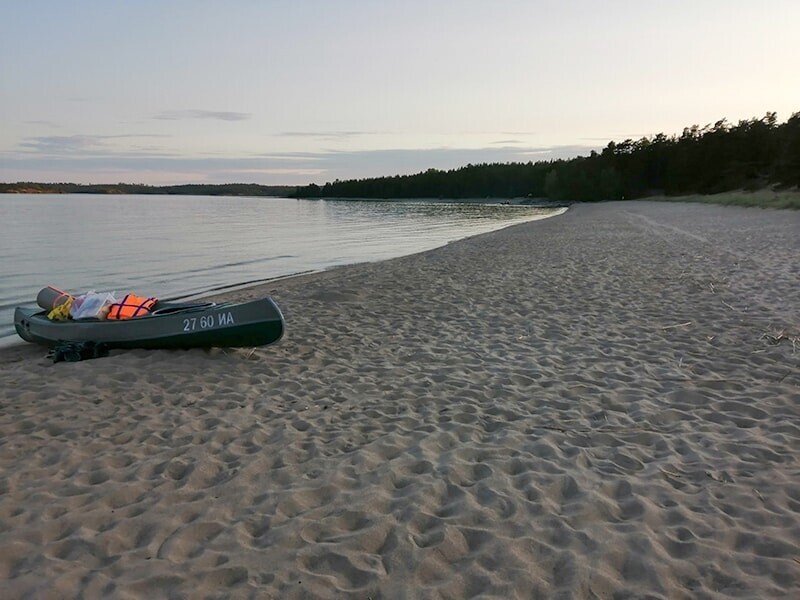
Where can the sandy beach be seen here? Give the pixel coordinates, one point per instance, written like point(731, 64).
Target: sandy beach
point(603, 404)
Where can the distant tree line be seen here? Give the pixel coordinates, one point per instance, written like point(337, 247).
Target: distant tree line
point(226, 189)
point(753, 154)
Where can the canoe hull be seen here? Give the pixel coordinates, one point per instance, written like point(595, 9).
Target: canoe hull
point(255, 323)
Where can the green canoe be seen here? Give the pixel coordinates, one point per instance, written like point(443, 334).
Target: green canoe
point(170, 325)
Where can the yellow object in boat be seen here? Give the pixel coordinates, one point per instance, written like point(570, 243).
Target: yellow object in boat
point(61, 312)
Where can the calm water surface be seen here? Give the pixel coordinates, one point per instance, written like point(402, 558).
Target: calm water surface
point(170, 246)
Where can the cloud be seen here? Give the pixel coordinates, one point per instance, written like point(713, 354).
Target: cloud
point(63, 143)
point(520, 133)
point(90, 161)
point(290, 156)
point(45, 123)
point(219, 115)
point(329, 135)
point(617, 137)
point(377, 163)
point(68, 144)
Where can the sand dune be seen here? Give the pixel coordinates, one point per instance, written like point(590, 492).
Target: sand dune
point(605, 404)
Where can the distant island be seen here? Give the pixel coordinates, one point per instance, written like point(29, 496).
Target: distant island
point(225, 189)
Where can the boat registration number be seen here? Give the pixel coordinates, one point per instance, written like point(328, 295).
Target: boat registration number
point(208, 321)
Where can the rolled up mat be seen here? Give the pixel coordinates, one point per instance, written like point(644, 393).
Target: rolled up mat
point(48, 298)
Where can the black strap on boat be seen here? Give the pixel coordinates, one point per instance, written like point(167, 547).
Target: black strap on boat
point(77, 351)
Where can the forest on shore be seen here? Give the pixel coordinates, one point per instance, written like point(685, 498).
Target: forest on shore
point(225, 189)
point(753, 154)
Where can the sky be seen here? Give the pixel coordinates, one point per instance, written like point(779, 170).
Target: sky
point(291, 92)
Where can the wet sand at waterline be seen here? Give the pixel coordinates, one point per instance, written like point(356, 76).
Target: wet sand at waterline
point(603, 404)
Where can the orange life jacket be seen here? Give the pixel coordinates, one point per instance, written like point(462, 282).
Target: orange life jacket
point(131, 306)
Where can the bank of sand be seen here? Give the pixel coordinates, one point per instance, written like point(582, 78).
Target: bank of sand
point(581, 407)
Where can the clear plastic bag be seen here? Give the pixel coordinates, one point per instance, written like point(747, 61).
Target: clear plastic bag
point(92, 305)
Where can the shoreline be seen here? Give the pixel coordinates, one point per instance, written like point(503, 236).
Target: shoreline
point(581, 406)
point(11, 339)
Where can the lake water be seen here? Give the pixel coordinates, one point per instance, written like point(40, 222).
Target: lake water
point(170, 246)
